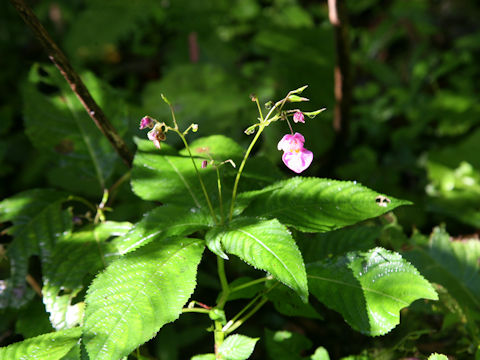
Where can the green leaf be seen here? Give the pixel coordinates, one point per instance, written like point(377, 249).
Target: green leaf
point(50, 346)
point(436, 356)
point(38, 222)
point(161, 223)
point(237, 347)
point(368, 288)
point(318, 205)
point(139, 293)
point(320, 354)
point(316, 247)
point(286, 303)
point(58, 125)
point(32, 320)
point(453, 264)
point(171, 179)
point(85, 252)
point(266, 245)
point(285, 345)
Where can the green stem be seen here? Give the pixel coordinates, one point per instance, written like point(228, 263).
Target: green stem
point(240, 322)
point(241, 312)
point(220, 198)
point(219, 337)
point(223, 282)
point(248, 284)
point(195, 310)
point(210, 207)
point(242, 165)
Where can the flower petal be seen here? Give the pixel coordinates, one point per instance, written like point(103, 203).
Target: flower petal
point(298, 161)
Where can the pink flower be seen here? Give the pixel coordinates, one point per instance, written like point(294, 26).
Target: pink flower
point(156, 135)
point(146, 122)
point(295, 156)
point(298, 117)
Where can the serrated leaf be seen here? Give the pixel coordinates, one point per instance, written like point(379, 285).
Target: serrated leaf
point(318, 246)
point(368, 288)
point(139, 293)
point(38, 222)
point(266, 245)
point(318, 205)
point(74, 257)
point(237, 347)
point(162, 222)
point(453, 264)
point(50, 346)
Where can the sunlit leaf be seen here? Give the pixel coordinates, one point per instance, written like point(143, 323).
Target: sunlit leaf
point(38, 222)
point(368, 288)
point(237, 347)
point(85, 252)
point(317, 205)
point(266, 245)
point(162, 222)
point(51, 346)
point(138, 294)
point(453, 264)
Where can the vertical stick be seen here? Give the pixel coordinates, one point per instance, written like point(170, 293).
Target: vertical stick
point(76, 84)
point(342, 75)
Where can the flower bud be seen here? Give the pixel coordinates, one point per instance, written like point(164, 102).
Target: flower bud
point(194, 127)
point(204, 164)
point(298, 117)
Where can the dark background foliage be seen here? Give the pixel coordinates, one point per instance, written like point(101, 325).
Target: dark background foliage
point(413, 130)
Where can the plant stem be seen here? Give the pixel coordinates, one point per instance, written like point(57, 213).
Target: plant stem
point(195, 310)
point(220, 198)
point(240, 322)
point(76, 84)
point(205, 193)
point(248, 284)
point(242, 165)
point(223, 282)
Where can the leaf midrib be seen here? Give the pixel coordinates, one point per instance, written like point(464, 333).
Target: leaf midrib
point(138, 291)
point(358, 287)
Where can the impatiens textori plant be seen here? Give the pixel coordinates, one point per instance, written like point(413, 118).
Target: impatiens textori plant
point(144, 274)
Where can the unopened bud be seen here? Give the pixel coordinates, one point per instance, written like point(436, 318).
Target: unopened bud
point(253, 97)
point(298, 117)
point(204, 164)
point(250, 130)
point(194, 127)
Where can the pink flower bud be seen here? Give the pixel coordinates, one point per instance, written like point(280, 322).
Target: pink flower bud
point(295, 156)
point(204, 164)
point(146, 122)
point(298, 117)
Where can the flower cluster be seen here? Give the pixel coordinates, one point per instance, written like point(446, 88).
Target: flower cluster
point(295, 156)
